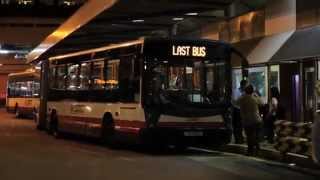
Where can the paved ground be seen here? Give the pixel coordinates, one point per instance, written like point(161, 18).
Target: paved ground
point(26, 153)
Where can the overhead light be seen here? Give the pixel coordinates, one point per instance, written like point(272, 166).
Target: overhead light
point(3, 51)
point(178, 18)
point(137, 20)
point(192, 14)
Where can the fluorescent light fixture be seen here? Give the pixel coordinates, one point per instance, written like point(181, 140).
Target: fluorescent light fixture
point(2, 51)
point(192, 14)
point(178, 18)
point(138, 20)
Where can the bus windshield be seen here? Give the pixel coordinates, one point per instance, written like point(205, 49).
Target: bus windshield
point(190, 82)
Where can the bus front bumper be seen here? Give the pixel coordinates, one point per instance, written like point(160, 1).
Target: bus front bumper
point(186, 136)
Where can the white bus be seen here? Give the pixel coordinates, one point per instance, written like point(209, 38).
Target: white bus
point(171, 91)
point(23, 90)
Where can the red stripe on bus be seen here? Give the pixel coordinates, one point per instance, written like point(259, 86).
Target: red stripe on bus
point(118, 122)
point(135, 125)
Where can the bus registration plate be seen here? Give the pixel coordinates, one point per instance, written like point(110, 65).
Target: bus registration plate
point(193, 133)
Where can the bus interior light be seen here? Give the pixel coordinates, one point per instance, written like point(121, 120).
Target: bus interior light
point(138, 20)
point(178, 18)
point(192, 14)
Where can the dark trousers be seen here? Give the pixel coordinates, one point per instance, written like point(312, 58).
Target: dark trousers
point(253, 133)
point(237, 126)
point(269, 125)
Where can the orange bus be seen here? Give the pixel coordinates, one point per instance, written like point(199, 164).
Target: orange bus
point(23, 90)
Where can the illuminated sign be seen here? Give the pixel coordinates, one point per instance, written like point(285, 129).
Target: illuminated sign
point(193, 51)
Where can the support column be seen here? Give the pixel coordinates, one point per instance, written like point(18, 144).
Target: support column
point(43, 93)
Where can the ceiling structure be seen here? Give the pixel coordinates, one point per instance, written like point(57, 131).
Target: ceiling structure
point(132, 19)
point(24, 24)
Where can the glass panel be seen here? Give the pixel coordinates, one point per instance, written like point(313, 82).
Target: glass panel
point(220, 83)
point(97, 75)
point(309, 93)
point(236, 79)
point(193, 81)
point(176, 75)
point(61, 75)
point(112, 76)
point(258, 78)
point(72, 76)
point(36, 89)
point(275, 76)
point(11, 88)
point(84, 76)
point(52, 77)
point(210, 77)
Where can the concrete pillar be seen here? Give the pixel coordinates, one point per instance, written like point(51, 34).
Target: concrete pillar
point(43, 93)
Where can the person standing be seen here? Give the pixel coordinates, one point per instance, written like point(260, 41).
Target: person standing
point(273, 114)
point(251, 119)
point(236, 117)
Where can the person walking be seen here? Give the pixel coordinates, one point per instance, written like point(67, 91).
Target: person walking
point(236, 117)
point(251, 119)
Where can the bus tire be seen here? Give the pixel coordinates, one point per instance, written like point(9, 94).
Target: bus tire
point(17, 112)
point(108, 130)
point(53, 125)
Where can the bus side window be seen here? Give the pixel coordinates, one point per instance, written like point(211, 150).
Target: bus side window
point(84, 76)
point(72, 76)
point(11, 86)
point(60, 79)
point(112, 74)
point(52, 77)
point(126, 79)
point(97, 75)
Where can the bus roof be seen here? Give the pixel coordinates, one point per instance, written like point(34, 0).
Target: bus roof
point(136, 42)
point(104, 48)
point(24, 73)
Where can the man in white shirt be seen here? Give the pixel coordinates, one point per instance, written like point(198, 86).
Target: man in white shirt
point(236, 118)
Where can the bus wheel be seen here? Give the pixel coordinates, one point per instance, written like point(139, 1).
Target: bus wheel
point(53, 125)
point(107, 128)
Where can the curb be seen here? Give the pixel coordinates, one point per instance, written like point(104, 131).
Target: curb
point(294, 162)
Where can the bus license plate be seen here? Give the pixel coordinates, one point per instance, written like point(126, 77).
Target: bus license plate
point(193, 133)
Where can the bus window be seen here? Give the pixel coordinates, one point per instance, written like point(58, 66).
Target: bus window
point(176, 76)
point(11, 89)
point(221, 81)
point(52, 77)
point(84, 76)
point(60, 80)
point(72, 76)
point(112, 75)
point(97, 75)
point(126, 79)
point(210, 78)
point(196, 76)
point(35, 89)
